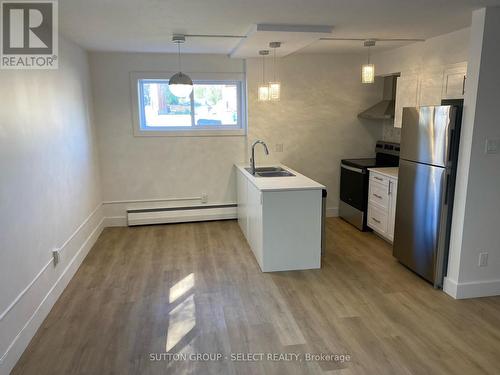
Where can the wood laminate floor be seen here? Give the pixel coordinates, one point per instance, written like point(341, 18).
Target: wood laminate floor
point(196, 288)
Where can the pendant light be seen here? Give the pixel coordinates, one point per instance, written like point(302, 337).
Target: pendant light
point(180, 84)
point(263, 91)
point(274, 85)
point(368, 70)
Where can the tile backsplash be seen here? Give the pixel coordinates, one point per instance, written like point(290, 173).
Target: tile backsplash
point(390, 133)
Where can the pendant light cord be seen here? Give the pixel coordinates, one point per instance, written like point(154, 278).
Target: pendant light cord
point(263, 69)
point(179, 55)
point(274, 64)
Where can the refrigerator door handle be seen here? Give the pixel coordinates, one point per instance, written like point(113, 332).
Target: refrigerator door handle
point(450, 149)
point(447, 188)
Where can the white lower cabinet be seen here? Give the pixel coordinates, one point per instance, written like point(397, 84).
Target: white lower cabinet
point(242, 191)
point(282, 227)
point(382, 204)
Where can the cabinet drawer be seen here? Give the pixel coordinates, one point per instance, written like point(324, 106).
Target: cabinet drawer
point(380, 178)
point(378, 193)
point(377, 219)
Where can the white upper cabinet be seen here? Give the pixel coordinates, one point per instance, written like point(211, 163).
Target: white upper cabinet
point(406, 95)
point(454, 81)
point(429, 87)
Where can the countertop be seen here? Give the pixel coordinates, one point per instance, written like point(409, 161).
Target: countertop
point(297, 182)
point(391, 172)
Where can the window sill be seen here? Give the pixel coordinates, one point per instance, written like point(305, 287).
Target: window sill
point(190, 133)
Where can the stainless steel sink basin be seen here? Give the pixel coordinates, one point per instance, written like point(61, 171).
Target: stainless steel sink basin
point(266, 169)
point(275, 174)
point(271, 172)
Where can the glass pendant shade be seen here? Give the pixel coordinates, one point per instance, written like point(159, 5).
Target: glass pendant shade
point(274, 91)
point(368, 73)
point(263, 93)
point(180, 85)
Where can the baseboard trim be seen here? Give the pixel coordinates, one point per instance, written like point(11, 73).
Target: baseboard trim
point(332, 212)
point(23, 337)
point(115, 221)
point(473, 289)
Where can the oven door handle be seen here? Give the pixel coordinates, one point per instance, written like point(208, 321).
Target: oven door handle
point(358, 170)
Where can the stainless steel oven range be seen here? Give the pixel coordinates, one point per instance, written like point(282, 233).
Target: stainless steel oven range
point(354, 182)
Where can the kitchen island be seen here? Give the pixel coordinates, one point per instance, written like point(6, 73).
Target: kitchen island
point(281, 218)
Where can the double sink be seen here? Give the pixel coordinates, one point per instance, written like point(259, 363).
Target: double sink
point(270, 172)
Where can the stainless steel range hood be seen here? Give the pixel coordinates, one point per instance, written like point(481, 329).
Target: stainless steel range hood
point(383, 110)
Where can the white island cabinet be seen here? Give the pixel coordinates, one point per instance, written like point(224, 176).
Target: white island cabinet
point(281, 218)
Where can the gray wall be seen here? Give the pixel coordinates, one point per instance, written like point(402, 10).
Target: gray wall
point(315, 120)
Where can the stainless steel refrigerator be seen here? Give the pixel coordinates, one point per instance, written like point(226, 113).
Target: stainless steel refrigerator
point(426, 185)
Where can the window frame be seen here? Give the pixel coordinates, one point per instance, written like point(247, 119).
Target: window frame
point(195, 130)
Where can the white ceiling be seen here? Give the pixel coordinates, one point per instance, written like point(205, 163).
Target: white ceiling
point(147, 25)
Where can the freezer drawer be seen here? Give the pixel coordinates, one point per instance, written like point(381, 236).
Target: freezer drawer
point(419, 212)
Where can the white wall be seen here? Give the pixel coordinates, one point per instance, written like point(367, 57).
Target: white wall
point(444, 49)
point(477, 202)
point(49, 188)
point(316, 122)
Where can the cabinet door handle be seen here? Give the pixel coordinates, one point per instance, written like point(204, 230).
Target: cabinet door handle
point(378, 178)
point(389, 189)
point(463, 85)
point(375, 220)
point(377, 196)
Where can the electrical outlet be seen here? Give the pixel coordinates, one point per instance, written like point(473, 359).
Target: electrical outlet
point(56, 255)
point(204, 198)
point(492, 146)
point(483, 259)
point(278, 147)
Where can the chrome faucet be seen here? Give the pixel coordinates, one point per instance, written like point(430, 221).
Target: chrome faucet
point(252, 159)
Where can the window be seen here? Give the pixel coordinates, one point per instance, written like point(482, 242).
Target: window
point(215, 107)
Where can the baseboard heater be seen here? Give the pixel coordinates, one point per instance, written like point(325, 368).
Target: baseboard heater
point(146, 216)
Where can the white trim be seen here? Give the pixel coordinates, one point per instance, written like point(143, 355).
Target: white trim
point(450, 287)
point(115, 221)
point(28, 287)
point(17, 346)
point(219, 131)
point(332, 212)
point(23, 292)
point(471, 289)
point(153, 200)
